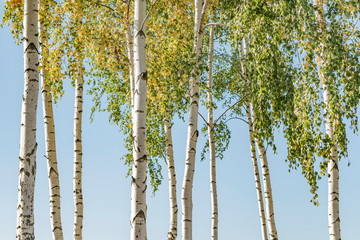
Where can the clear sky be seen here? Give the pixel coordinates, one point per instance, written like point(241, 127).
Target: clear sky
point(107, 191)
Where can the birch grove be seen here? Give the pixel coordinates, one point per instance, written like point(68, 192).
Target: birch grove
point(28, 144)
point(288, 69)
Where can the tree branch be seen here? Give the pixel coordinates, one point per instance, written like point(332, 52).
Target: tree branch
point(215, 24)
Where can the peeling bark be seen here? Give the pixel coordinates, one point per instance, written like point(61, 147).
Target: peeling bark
point(28, 145)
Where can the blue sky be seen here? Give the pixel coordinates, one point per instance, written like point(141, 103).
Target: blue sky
point(107, 190)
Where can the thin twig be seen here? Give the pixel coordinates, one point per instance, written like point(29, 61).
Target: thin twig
point(198, 112)
point(147, 15)
point(215, 24)
point(230, 108)
point(237, 118)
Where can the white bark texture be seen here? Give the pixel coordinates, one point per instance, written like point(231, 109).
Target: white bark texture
point(192, 134)
point(256, 174)
point(50, 147)
point(333, 169)
point(77, 179)
point(267, 190)
point(172, 234)
point(213, 191)
point(28, 145)
point(138, 184)
point(244, 48)
point(333, 177)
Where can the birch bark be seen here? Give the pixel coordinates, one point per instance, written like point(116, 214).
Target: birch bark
point(256, 174)
point(267, 190)
point(333, 170)
point(172, 234)
point(192, 134)
point(333, 176)
point(28, 145)
point(50, 147)
point(269, 206)
point(138, 185)
point(213, 191)
point(253, 150)
point(78, 109)
point(77, 179)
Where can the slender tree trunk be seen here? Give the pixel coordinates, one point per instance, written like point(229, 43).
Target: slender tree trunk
point(50, 146)
point(78, 109)
point(28, 145)
point(77, 179)
point(252, 149)
point(264, 166)
point(192, 134)
point(256, 174)
point(267, 189)
point(172, 234)
point(333, 177)
point(138, 185)
point(333, 169)
point(214, 202)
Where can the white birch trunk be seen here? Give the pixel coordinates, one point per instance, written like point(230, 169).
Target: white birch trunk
point(172, 234)
point(192, 134)
point(269, 206)
point(252, 148)
point(28, 145)
point(333, 169)
point(77, 179)
point(256, 174)
point(138, 184)
point(267, 190)
point(50, 146)
point(213, 191)
point(333, 177)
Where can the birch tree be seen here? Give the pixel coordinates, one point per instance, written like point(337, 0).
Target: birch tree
point(172, 234)
point(327, 85)
point(213, 190)
point(49, 126)
point(169, 43)
point(244, 48)
point(266, 73)
point(256, 174)
point(138, 184)
point(192, 134)
point(28, 145)
point(77, 12)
